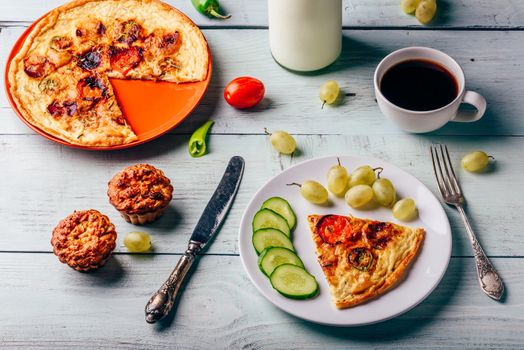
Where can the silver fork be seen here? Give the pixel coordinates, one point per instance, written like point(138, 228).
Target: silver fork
point(489, 279)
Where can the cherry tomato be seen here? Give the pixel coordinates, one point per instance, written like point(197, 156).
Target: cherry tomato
point(334, 229)
point(244, 92)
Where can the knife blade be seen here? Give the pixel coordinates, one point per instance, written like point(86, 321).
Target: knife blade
point(161, 303)
point(219, 204)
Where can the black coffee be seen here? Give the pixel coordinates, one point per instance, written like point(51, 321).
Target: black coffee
point(419, 85)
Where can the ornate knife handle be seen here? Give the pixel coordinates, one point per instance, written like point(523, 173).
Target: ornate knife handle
point(161, 303)
point(489, 279)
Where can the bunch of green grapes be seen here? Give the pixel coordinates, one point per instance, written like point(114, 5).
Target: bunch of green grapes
point(365, 186)
point(360, 189)
point(424, 9)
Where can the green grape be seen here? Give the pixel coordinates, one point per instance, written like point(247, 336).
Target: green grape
point(405, 210)
point(475, 161)
point(329, 92)
point(137, 242)
point(385, 193)
point(359, 196)
point(364, 175)
point(314, 192)
point(337, 180)
point(409, 6)
point(426, 10)
point(282, 142)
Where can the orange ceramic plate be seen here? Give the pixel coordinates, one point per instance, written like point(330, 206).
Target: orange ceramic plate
point(151, 108)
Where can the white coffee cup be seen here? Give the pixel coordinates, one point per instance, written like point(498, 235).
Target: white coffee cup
point(425, 121)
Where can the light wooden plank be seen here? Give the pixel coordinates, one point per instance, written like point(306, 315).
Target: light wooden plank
point(46, 305)
point(292, 100)
point(42, 182)
point(357, 13)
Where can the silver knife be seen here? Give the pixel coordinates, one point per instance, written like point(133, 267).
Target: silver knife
point(207, 227)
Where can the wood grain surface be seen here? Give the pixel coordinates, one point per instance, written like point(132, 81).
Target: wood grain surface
point(55, 307)
point(46, 305)
point(470, 14)
point(59, 180)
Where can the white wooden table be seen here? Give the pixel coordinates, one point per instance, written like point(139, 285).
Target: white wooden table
point(45, 304)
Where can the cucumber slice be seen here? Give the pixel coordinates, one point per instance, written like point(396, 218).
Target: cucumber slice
point(282, 207)
point(270, 237)
point(294, 282)
point(273, 257)
point(267, 218)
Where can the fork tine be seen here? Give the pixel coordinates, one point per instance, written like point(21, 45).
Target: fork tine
point(439, 181)
point(448, 176)
point(453, 177)
point(444, 180)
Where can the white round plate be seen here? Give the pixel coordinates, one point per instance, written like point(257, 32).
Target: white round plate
point(423, 276)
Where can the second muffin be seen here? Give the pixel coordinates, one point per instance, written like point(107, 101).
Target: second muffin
point(84, 240)
point(140, 193)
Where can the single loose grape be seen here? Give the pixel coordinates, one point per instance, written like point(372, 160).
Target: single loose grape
point(409, 6)
point(426, 10)
point(313, 192)
point(385, 193)
point(475, 161)
point(337, 180)
point(359, 196)
point(137, 242)
point(405, 210)
point(329, 92)
point(283, 142)
point(364, 175)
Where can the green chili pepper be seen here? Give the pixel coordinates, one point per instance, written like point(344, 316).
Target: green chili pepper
point(197, 142)
point(209, 8)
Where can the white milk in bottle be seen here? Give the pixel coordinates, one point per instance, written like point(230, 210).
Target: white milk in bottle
point(305, 35)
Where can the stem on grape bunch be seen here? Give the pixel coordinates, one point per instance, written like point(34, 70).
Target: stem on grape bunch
point(380, 170)
point(294, 184)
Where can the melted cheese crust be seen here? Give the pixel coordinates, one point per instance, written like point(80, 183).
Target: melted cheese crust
point(391, 257)
point(105, 126)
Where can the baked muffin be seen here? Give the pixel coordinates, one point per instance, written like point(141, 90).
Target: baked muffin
point(84, 240)
point(140, 193)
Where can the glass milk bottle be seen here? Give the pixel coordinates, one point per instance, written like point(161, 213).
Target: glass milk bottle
point(305, 35)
